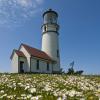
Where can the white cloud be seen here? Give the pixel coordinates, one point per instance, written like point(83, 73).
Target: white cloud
point(39, 1)
point(25, 3)
point(13, 11)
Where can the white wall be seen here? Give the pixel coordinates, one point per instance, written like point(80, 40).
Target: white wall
point(25, 64)
point(42, 66)
point(33, 65)
point(50, 45)
point(28, 57)
point(14, 63)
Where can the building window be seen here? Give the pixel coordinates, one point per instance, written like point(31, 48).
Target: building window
point(47, 66)
point(21, 67)
point(57, 53)
point(37, 67)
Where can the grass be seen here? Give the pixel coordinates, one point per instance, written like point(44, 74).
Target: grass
point(49, 87)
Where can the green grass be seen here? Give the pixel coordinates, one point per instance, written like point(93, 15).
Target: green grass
point(49, 87)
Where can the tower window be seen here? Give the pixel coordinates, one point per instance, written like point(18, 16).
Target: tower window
point(37, 67)
point(57, 53)
point(50, 20)
point(45, 28)
point(57, 29)
point(47, 66)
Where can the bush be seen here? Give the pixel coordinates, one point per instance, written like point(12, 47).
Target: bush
point(72, 72)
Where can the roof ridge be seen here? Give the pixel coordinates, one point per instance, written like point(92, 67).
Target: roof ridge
point(36, 52)
point(18, 52)
point(15, 50)
point(31, 47)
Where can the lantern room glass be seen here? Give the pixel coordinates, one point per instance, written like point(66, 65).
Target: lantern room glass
point(50, 18)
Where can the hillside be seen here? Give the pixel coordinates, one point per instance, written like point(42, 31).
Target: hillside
point(49, 87)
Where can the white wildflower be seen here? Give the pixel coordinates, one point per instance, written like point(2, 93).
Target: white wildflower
point(32, 90)
point(27, 87)
point(72, 93)
point(4, 95)
point(59, 98)
point(2, 91)
point(29, 96)
point(35, 98)
point(23, 95)
point(47, 88)
point(64, 97)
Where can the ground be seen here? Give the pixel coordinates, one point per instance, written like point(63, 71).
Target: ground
point(49, 87)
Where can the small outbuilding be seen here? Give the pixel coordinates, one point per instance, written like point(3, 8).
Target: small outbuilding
point(29, 59)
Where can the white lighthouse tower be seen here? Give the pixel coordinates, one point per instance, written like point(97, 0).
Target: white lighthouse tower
point(50, 38)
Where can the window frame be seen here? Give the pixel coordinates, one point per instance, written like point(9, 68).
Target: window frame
point(57, 53)
point(48, 66)
point(37, 65)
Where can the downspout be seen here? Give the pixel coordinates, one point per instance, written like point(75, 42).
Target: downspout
point(52, 67)
point(18, 65)
point(30, 64)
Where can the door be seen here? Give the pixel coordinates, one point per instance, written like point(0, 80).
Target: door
point(21, 67)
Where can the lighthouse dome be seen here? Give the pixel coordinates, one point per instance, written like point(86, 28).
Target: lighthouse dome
point(50, 16)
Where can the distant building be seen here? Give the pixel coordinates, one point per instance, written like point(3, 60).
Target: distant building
point(47, 60)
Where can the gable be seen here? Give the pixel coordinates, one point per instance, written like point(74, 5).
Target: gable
point(34, 52)
point(23, 49)
point(17, 53)
point(13, 54)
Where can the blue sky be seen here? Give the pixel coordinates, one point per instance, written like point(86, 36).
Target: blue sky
point(79, 20)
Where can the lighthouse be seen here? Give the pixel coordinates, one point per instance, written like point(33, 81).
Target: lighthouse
point(30, 59)
point(50, 38)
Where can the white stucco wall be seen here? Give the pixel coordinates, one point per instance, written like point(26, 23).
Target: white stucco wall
point(42, 66)
point(25, 64)
point(28, 57)
point(50, 45)
point(33, 65)
point(14, 63)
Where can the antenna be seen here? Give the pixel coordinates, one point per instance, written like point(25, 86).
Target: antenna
point(72, 64)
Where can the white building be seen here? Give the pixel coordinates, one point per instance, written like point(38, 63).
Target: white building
point(47, 60)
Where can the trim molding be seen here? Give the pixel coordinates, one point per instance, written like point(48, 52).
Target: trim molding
point(50, 31)
point(50, 11)
point(55, 24)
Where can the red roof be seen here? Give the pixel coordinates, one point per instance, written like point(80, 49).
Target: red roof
point(36, 53)
point(19, 53)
